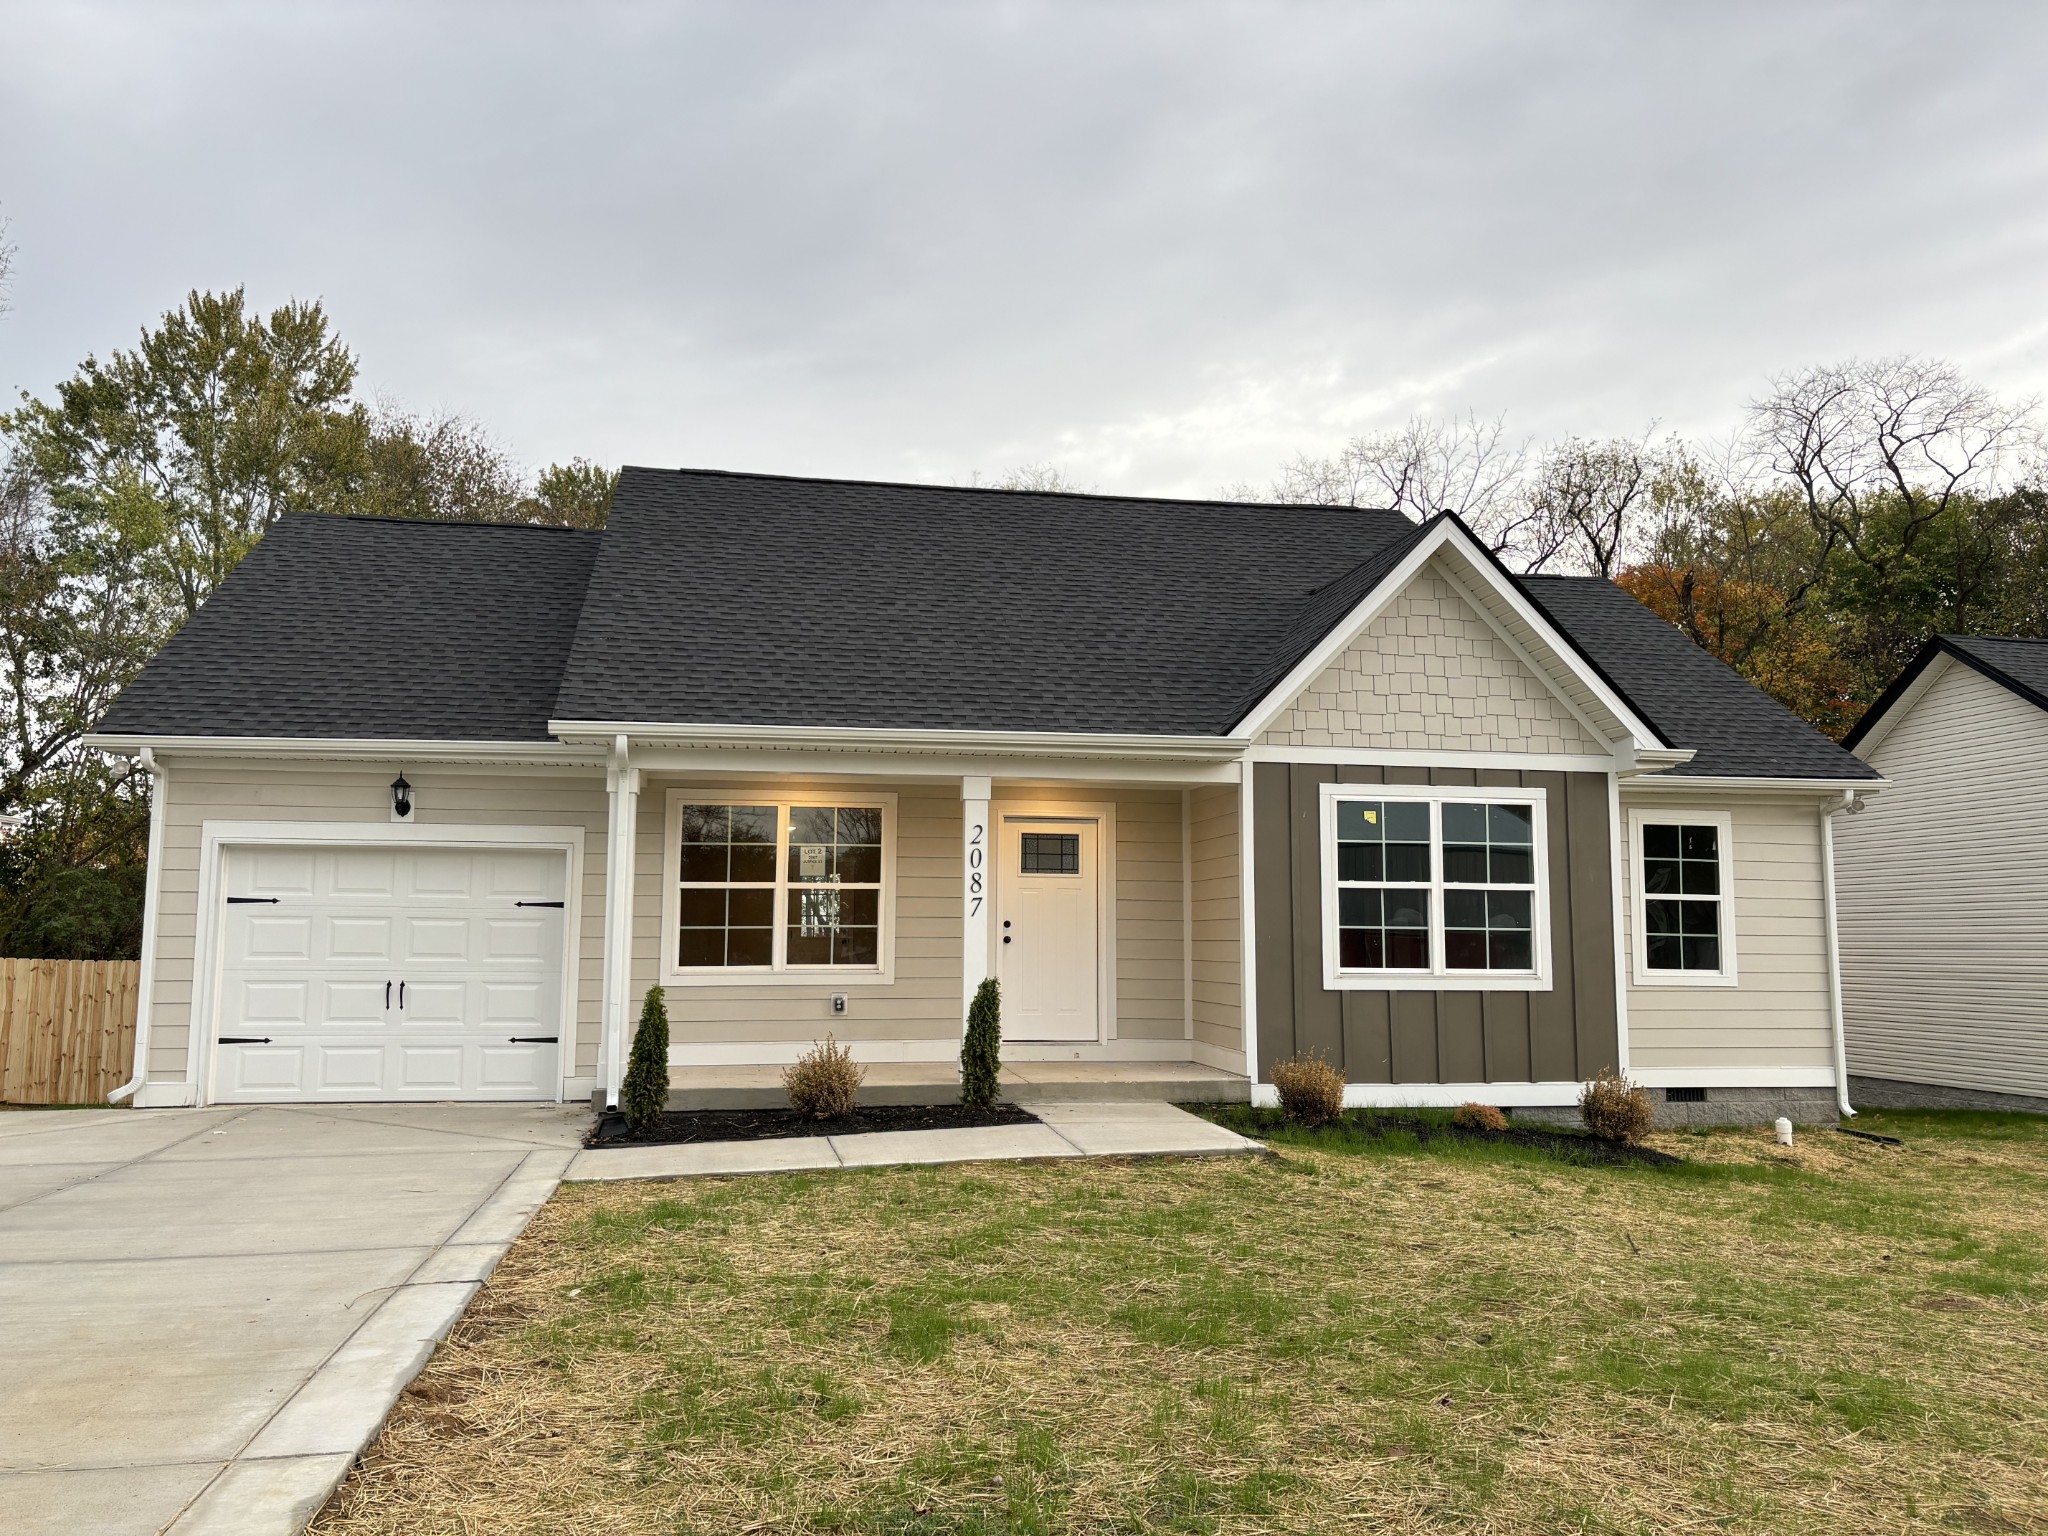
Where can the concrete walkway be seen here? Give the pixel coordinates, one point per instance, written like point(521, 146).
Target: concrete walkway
point(205, 1314)
point(1064, 1130)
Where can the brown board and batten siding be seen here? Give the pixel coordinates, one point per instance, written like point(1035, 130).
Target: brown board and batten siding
point(1565, 1033)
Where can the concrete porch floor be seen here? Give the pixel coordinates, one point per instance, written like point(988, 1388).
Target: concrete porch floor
point(928, 1082)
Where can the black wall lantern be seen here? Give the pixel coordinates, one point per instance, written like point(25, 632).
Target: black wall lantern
point(401, 798)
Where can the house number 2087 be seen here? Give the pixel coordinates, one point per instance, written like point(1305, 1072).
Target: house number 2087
point(974, 865)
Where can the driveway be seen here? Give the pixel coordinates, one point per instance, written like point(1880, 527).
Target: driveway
point(205, 1313)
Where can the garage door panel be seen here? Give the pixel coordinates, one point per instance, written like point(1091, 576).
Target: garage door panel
point(429, 939)
point(352, 1004)
point(268, 936)
point(312, 980)
point(519, 938)
point(275, 872)
point(265, 1069)
point(364, 874)
point(365, 938)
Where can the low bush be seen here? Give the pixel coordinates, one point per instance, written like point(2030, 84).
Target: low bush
point(825, 1082)
point(981, 1049)
point(1311, 1090)
point(643, 1095)
point(1479, 1117)
point(1615, 1109)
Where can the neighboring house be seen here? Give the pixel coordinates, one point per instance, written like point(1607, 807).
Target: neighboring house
point(1206, 785)
point(1944, 883)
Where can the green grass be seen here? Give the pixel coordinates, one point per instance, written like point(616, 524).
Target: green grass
point(1362, 1333)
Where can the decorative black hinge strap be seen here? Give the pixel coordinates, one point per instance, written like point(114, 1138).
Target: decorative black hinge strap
point(245, 1039)
point(536, 1039)
point(252, 901)
point(537, 903)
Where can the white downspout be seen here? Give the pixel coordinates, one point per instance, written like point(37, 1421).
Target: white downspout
point(1828, 810)
point(152, 890)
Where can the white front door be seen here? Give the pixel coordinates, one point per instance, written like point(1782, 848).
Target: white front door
point(1049, 929)
point(380, 972)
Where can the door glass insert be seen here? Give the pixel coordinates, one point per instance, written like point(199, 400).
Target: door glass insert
point(1051, 853)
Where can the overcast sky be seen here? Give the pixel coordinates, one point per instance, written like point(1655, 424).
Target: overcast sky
point(1165, 247)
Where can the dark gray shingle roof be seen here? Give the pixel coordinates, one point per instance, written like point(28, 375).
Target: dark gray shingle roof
point(763, 600)
point(759, 599)
point(2018, 664)
point(1692, 698)
point(343, 627)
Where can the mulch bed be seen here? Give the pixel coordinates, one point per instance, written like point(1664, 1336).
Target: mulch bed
point(1570, 1146)
point(689, 1125)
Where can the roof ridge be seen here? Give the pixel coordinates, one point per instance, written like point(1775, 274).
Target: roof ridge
point(302, 515)
point(1006, 490)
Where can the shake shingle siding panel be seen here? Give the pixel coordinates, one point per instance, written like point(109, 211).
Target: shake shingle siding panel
point(339, 627)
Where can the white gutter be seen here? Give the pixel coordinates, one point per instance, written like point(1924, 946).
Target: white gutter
point(1848, 802)
point(152, 891)
point(376, 748)
point(1724, 783)
point(860, 738)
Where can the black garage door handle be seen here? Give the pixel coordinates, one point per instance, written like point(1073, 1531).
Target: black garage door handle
point(536, 1039)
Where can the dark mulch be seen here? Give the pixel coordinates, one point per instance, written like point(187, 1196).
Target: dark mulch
point(684, 1125)
point(1362, 1125)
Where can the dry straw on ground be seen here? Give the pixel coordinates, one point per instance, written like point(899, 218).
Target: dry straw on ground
point(1846, 1338)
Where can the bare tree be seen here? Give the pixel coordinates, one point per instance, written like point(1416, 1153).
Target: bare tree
point(6, 267)
point(1464, 465)
point(1595, 505)
point(1045, 476)
point(1903, 435)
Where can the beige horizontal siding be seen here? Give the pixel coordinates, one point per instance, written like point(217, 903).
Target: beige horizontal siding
point(1943, 886)
point(1777, 1015)
point(202, 791)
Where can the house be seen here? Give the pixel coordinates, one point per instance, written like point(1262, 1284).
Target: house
point(1205, 785)
point(1945, 883)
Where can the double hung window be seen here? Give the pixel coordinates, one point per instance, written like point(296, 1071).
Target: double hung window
point(1438, 887)
point(1684, 870)
point(779, 886)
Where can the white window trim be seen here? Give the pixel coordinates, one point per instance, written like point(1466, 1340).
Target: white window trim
point(1438, 979)
point(1639, 947)
point(673, 975)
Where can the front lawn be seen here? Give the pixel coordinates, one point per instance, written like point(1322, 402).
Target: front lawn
point(1363, 1334)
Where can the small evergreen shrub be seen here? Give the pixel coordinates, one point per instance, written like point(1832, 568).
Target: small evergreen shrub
point(825, 1082)
point(1615, 1109)
point(644, 1093)
point(1311, 1090)
point(981, 1050)
point(1479, 1117)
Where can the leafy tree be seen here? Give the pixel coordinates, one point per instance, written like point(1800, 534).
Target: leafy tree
point(186, 449)
point(577, 494)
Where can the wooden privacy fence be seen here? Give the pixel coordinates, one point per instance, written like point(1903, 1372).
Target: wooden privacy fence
point(67, 1029)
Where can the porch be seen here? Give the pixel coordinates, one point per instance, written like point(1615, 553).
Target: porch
point(1023, 1082)
point(869, 903)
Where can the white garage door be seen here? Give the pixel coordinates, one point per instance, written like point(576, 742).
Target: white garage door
point(390, 973)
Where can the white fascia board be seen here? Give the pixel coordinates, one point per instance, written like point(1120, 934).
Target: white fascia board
point(1391, 757)
point(1902, 706)
point(911, 768)
point(1446, 534)
point(1691, 783)
point(374, 748)
point(643, 733)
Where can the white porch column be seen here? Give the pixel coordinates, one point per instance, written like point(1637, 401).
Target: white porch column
point(623, 784)
point(977, 851)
